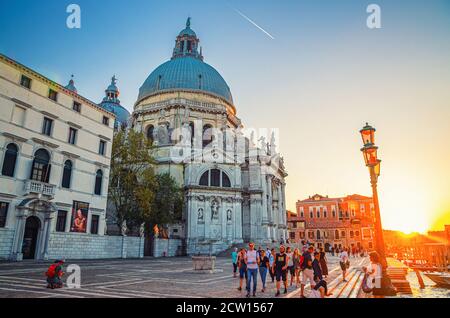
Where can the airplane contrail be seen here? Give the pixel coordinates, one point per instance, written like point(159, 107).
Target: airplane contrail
point(254, 23)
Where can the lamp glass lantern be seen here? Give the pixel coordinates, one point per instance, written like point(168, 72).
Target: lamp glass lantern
point(368, 134)
point(370, 155)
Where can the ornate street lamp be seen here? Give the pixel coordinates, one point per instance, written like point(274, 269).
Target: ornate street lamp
point(373, 163)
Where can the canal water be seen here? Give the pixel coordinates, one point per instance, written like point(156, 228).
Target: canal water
point(428, 292)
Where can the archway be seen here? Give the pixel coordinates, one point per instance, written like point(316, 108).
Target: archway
point(30, 237)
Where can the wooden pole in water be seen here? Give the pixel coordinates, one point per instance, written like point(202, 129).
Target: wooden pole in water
point(420, 279)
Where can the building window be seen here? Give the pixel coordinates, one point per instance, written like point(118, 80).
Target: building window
point(3, 213)
point(102, 147)
point(352, 234)
point(318, 213)
point(94, 224)
point(311, 214)
point(18, 116)
point(333, 213)
point(324, 213)
point(336, 234)
point(105, 120)
point(370, 245)
point(318, 234)
point(9, 161)
point(47, 126)
point(40, 169)
point(53, 95)
point(207, 135)
point(72, 136)
point(80, 212)
point(98, 182)
point(25, 82)
point(76, 106)
point(215, 178)
point(150, 132)
point(342, 233)
point(356, 233)
point(61, 221)
point(292, 235)
point(67, 174)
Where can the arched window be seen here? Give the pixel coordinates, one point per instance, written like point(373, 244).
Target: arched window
point(318, 234)
point(40, 169)
point(356, 233)
point(98, 182)
point(351, 234)
point(9, 162)
point(336, 234)
point(318, 213)
point(343, 233)
point(324, 213)
point(207, 135)
point(225, 180)
point(150, 131)
point(215, 178)
point(204, 180)
point(67, 174)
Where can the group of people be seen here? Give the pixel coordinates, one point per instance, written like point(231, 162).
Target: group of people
point(298, 266)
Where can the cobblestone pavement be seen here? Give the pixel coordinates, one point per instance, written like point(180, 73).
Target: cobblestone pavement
point(138, 278)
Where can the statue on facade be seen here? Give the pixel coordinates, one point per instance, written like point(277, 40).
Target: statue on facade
point(272, 144)
point(214, 209)
point(262, 140)
point(124, 228)
point(142, 230)
point(200, 215)
point(229, 215)
point(156, 231)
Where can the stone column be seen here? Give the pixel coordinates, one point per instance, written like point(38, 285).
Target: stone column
point(18, 237)
point(46, 234)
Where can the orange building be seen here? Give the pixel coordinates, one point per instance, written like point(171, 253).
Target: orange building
point(333, 222)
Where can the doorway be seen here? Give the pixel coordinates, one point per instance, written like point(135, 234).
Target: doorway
point(30, 237)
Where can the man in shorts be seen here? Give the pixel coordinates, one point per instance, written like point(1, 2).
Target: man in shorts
point(280, 266)
point(307, 270)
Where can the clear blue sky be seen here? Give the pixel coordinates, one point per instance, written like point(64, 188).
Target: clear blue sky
point(319, 80)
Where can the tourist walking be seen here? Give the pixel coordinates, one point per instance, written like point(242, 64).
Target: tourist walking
point(234, 256)
point(307, 270)
point(264, 266)
point(323, 262)
point(280, 268)
point(344, 263)
point(291, 269)
point(318, 276)
point(251, 259)
point(296, 259)
point(242, 268)
point(272, 256)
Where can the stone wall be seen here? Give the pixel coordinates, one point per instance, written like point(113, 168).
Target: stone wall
point(87, 246)
point(166, 247)
point(6, 242)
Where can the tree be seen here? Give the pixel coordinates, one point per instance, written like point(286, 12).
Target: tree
point(136, 193)
point(133, 183)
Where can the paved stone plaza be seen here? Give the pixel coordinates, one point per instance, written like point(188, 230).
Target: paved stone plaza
point(141, 278)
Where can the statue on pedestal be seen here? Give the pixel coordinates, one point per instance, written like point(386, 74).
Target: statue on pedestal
point(124, 228)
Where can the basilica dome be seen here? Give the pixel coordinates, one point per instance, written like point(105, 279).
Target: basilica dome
point(186, 71)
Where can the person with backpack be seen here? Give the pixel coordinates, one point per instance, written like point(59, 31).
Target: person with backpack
point(234, 256)
point(344, 263)
point(307, 270)
point(264, 266)
point(252, 262)
point(54, 274)
point(280, 268)
point(296, 260)
point(242, 268)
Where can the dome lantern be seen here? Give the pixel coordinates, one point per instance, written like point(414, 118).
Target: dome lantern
point(186, 43)
point(71, 85)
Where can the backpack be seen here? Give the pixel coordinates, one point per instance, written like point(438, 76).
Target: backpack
point(51, 271)
point(365, 287)
point(302, 260)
